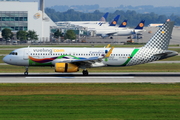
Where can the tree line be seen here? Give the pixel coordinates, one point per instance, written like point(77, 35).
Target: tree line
point(132, 16)
point(30, 35)
point(21, 35)
point(70, 34)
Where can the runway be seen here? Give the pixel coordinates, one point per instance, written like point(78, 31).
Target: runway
point(161, 78)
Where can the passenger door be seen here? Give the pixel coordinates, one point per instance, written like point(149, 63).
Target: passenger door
point(26, 54)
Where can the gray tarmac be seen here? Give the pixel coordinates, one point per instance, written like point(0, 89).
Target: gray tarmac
point(154, 78)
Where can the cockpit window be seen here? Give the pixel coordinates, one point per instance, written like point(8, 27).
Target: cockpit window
point(13, 53)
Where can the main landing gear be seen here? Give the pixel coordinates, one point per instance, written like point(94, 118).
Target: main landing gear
point(85, 72)
point(26, 72)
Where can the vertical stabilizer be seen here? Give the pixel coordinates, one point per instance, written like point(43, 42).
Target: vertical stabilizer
point(114, 22)
point(162, 37)
point(103, 19)
point(123, 24)
point(140, 25)
point(156, 48)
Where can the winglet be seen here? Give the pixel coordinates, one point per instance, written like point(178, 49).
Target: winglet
point(108, 45)
point(109, 53)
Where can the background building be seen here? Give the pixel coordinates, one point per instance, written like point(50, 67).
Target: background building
point(17, 15)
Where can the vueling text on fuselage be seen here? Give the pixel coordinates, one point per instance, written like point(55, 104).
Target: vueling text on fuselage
point(43, 50)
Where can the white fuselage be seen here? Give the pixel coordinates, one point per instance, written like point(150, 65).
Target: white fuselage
point(22, 58)
point(50, 56)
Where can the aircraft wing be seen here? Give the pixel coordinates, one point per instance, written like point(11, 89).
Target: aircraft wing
point(88, 60)
point(95, 59)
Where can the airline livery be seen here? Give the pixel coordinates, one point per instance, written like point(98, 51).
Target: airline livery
point(73, 59)
point(105, 31)
point(123, 24)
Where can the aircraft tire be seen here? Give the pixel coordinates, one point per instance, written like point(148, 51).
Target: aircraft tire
point(85, 73)
point(26, 73)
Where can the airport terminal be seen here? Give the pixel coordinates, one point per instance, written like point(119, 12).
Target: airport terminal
point(25, 16)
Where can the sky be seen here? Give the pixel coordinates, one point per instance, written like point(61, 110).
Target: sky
point(110, 3)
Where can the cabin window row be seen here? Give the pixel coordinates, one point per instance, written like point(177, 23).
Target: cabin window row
point(79, 54)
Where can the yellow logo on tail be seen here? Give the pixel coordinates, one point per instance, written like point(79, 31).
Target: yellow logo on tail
point(114, 22)
point(124, 23)
point(163, 32)
point(141, 25)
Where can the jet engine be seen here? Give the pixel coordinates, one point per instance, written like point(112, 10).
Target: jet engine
point(66, 67)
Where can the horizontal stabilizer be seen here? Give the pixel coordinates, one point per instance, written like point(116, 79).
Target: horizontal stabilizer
point(167, 53)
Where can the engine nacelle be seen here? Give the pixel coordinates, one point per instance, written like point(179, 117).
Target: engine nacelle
point(66, 67)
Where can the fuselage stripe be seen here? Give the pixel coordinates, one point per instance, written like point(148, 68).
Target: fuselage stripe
point(132, 55)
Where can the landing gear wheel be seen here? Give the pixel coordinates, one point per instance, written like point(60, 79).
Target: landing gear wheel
point(111, 37)
point(85, 73)
point(26, 73)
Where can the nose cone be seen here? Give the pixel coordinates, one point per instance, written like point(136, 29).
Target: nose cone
point(5, 59)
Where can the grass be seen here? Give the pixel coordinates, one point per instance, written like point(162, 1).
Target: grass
point(171, 67)
point(5, 51)
point(175, 58)
point(90, 101)
point(175, 49)
point(1, 59)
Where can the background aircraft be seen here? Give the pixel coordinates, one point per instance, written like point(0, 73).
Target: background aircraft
point(119, 31)
point(93, 27)
point(123, 24)
point(82, 23)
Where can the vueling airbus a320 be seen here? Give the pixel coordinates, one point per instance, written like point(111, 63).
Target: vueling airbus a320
point(73, 59)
